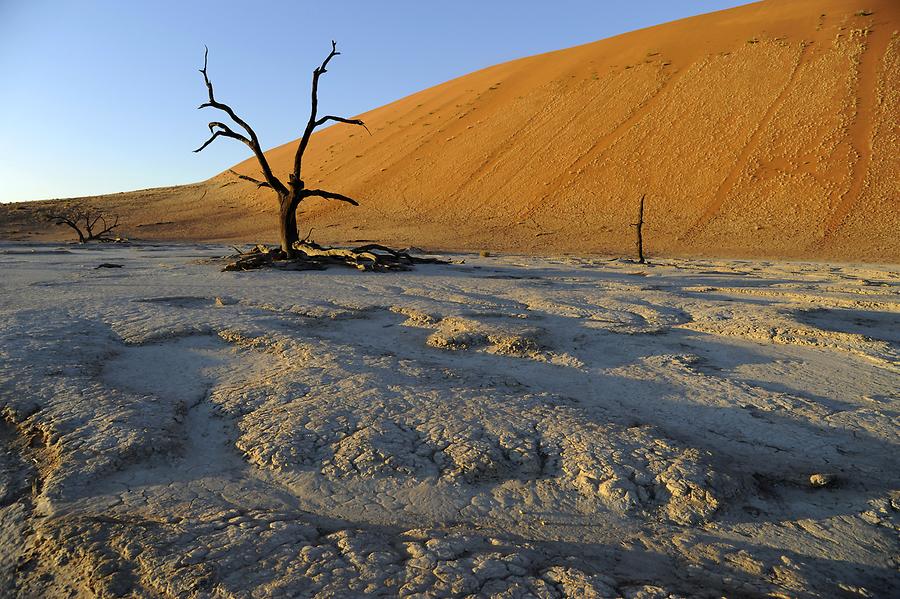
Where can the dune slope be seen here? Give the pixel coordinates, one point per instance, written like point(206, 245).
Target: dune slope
point(765, 130)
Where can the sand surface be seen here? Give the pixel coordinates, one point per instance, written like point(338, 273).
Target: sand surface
point(507, 427)
point(768, 130)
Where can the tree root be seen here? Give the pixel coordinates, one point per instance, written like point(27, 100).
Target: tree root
point(311, 256)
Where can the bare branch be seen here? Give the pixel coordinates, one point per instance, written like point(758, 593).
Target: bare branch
point(314, 108)
point(226, 130)
point(251, 179)
point(209, 86)
point(329, 195)
point(90, 224)
point(341, 119)
point(220, 129)
point(61, 220)
point(328, 58)
point(213, 103)
point(108, 228)
point(208, 141)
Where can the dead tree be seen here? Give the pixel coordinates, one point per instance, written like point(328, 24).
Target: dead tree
point(89, 222)
point(638, 226)
point(295, 191)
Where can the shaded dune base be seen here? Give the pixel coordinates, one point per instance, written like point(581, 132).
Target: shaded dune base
point(764, 130)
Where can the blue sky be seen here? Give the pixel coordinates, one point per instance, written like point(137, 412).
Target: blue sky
point(101, 96)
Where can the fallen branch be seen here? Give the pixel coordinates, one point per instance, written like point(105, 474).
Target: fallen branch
point(311, 256)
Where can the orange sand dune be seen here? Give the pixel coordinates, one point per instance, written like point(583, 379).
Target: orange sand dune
point(768, 130)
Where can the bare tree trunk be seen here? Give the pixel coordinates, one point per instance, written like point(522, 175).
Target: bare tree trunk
point(639, 241)
point(293, 229)
point(287, 223)
point(81, 238)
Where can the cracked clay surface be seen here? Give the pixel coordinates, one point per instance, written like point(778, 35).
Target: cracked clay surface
point(506, 427)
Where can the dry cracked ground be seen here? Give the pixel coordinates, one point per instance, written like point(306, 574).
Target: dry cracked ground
point(506, 427)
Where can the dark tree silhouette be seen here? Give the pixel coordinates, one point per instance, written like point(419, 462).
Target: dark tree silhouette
point(295, 191)
point(89, 222)
point(638, 227)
